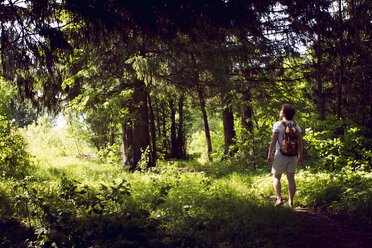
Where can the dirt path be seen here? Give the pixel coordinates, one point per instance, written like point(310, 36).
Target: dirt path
point(320, 230)
point(324, 230)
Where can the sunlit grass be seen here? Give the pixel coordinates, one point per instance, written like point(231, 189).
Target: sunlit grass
point(219, 204)
point(57, 155)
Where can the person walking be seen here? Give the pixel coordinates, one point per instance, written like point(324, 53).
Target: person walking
point(286, 156)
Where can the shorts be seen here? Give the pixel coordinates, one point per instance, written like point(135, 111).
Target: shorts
point(283, 164)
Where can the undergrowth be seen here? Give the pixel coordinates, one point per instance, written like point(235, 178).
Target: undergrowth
point(161, 208)
point(81, 201)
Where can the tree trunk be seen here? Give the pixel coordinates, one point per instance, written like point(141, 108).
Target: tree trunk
point(141, 139)
point(153, 134)
point(164, 131)
point(206, 125)
point(228, 129)
point(174, 147)
point(127, 139)
point(181, 136)
point(366, 99)
point(318, 67)
point(136, 132)
point(202, 106)
point(157, 111)
point(341, 52)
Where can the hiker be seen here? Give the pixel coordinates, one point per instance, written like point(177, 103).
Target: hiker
point(287, 156)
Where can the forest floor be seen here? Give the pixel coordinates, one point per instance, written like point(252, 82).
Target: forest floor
point(325, 230)
point(321, 230)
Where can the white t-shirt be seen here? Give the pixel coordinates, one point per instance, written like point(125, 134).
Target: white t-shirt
point(279, 128)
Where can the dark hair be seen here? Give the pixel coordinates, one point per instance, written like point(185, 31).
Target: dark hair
point(288, 111)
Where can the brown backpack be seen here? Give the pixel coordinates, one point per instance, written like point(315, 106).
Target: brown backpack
point(289, 146)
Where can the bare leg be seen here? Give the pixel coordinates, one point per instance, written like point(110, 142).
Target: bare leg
point(291, 188)
point(277, 188)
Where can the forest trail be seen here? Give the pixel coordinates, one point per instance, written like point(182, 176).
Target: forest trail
point(325, 230)
point(321, 230)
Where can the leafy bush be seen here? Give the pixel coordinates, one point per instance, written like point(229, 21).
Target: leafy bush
point(340, 144)
point(15, 161)
point(69, 214)
point(252, 147)
point(111, 154)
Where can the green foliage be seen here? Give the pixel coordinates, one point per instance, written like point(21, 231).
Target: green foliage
point(16, 110)
point(7, 92)
point(88, 206)
point(347, 191)
point(333, 151)
point(197, 146)
point(174, 204)
point(15, 161)
point(71, 214)
point(102, 105)
point(252, 148)
point(111, 154)
point(50, 145)
point(86, 201)
point(79, 197)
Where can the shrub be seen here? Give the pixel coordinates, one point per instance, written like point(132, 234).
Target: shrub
point(251, 147)
point(340, 144)
point(14, 160)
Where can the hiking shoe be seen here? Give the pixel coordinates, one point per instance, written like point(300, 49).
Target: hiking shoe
point(278, 202)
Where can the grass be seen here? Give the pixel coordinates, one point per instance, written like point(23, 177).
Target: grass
point(69, 200)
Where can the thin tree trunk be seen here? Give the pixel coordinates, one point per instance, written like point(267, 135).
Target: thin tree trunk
point(341, 52)
point(202, 106)
point(355, 25)
point(164, 130)
point(206, 125)
point(153, 133)
point(367, 91)
point(127, 140)
point(74, 135)
point(157, 110)
point(173, 129)
point(318, 66)
point(181, 136)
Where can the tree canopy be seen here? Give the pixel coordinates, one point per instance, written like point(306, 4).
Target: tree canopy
point(127, 64)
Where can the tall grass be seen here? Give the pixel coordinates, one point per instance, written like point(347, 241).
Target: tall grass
point(84, 201)
point(59, 154)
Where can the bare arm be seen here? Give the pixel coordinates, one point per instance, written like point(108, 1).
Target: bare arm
point(300, 149)
point(274, 139)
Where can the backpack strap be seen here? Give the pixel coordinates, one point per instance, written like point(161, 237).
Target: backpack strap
point(291, 125)
point(285, 126)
